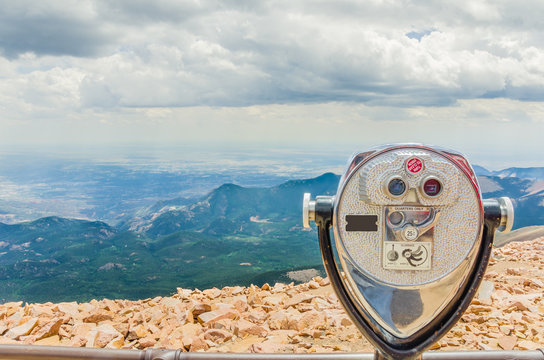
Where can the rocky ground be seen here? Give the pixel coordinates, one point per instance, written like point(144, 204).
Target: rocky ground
point(507, 314)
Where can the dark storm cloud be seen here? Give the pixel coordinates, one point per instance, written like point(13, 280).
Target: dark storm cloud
point(98, 26)
point(50, 37)
point(140, 12)
point(47, 32)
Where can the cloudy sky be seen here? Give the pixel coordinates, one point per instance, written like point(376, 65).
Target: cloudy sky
point(467, 74)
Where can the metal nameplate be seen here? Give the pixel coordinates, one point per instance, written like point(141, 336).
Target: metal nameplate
point(404, 255)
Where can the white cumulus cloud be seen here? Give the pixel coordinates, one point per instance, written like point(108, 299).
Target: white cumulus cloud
point(92, 63)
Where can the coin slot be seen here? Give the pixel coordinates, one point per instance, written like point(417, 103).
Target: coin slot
point(362, 223)
point(396, 217)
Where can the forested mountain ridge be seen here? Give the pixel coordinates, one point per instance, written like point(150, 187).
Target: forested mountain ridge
point(232, 236)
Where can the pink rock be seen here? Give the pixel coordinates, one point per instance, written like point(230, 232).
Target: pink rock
point(155, 314)
point(513, 271)
point(97, 316)
point(7, 341)
point(324, 282)
point(69, 308)
point(257, 316)
point(218, 336)
point(274, 300)
point(311, 320)
point(103, 338)
point(122, 328)
point(245, 328)
point(528, 345)
point(200, 308)
point(191, 329)
point(279, 287)
point(270, 347)
point(49, 329)
point(14, 319)
point(131, 345)
point(23, 329)
point(199, 343)
point(147, 342)
point(293, 317)
point(116, 343)
point(223, 306)
point(38, 310)
point(184, 293)
point(111, 305)
point(212, 293)
point(151, 328)
point(78, 341)
point(172, 303)
point(49, 341)
point(65, 330)
point(507, 342)
point(237, 290)
point(210, 317)
point(281, 336)
point(278, 320)
point(82, 329)
point(320, 304)
point(240, 303)
point(104, 334)
point(297, 299)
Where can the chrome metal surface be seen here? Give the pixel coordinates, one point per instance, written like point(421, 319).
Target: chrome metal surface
point(36, 352)
point(308, 210)
point(507, 214)
point(407, 258)
point(419, 227)
point(385, 293)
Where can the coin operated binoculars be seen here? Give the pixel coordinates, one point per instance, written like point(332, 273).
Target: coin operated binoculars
point(412, 240)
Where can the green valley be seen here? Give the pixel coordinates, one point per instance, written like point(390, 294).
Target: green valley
point(233, 236)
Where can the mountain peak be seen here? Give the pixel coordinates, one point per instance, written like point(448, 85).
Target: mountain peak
point(481, 171)
point(229, 186)
point(327, 178)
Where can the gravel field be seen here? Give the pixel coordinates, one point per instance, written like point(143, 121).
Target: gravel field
point(507, 314)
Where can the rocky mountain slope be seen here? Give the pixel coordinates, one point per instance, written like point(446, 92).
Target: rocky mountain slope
point(233, 236)
point(282, 318)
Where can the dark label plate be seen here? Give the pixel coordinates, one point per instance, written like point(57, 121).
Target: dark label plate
point(362, 223)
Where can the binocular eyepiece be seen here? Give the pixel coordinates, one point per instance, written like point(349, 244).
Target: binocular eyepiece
point(412, 240)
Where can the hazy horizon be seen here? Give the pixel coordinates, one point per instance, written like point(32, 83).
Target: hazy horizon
point(336, 155)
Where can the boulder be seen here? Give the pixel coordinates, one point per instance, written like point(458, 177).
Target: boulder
point(147, 342)
point(49, 329)
point(210, 317)
point(22, 330)
point(245, 328)
point(49, 341)
point(199, 344)
point(105, 333)
point(97, 316)
point(218, 336)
